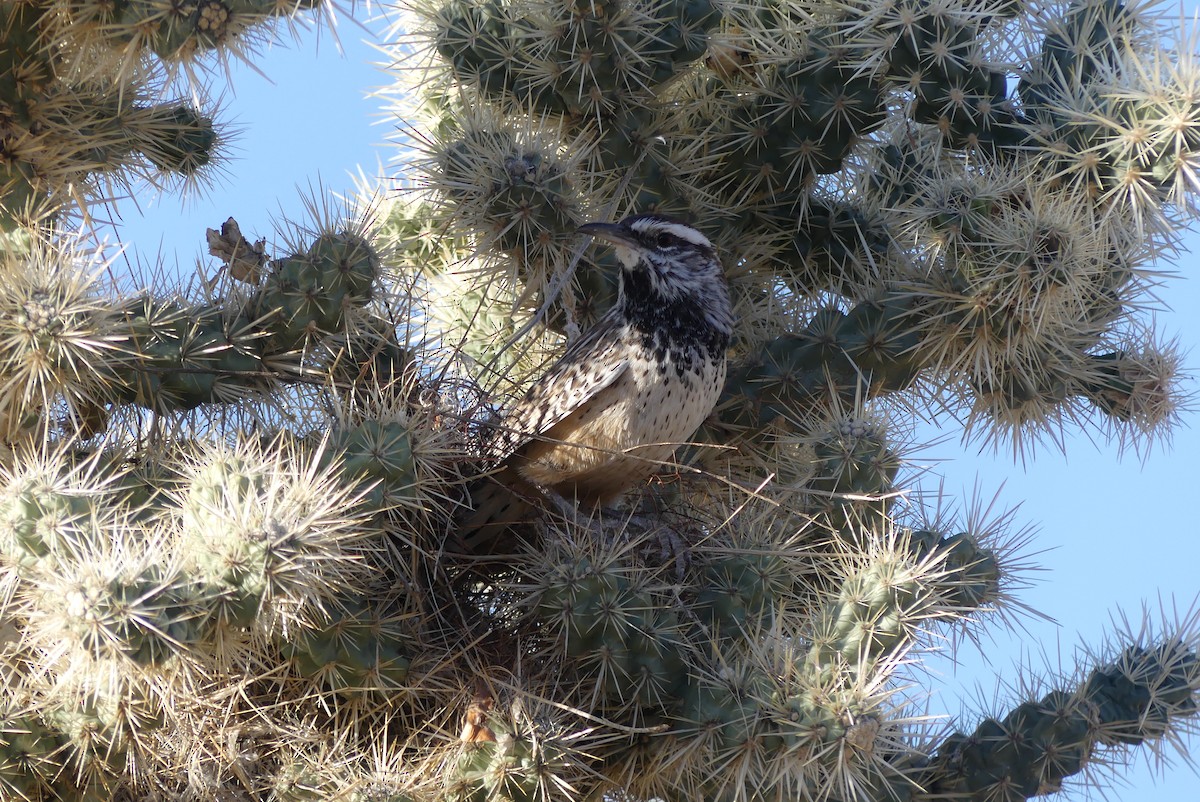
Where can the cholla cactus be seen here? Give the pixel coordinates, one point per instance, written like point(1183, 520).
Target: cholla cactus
point(229, 564)
point(84, 104)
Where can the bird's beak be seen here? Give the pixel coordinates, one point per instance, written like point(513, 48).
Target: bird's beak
point(609, 232)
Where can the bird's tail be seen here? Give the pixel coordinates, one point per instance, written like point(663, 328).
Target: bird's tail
point(500, 504)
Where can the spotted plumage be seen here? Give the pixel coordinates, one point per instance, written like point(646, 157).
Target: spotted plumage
point(622, 397)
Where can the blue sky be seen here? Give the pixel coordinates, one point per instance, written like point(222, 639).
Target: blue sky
point(1113, 533)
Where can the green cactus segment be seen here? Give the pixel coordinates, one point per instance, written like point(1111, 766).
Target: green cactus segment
point(178, 356)
point(372, 360)
point(235, 572)
point(91, 730)
point(1028, 753)
point(178, 32)
point(519, 197)
point(25, 66)
point(95, 130)
point(482, 321)
point(100, 733)
point(225, 481)
point(646, 666)
point(622, 635)
point(899, 174)
point(95, 788)
point(1139, 695)
point(738, 592)
point(727, 711)
point(348, 263)
point(381, 457)
point(938, 55)
point(236, 564)
point(803, 122)
point(970, 574)
point(596, 280)
point(818, 721)
point(298, 301)
point(688, 25)
point(189, 610)
point(147, 615)
point(298, 782)
point(610, 49)
point(801, 731)
point(854, 456)
point(199, 26)
point(308, 296)
point(38, 521)
point(509, 768)
point(94, 127)
point(51, 327)
point(1039, 744)
point(73, 86)
point(487, 47)
point(596, 52)
point(1160, 159)
point(650, 166)
point(853, 474)
point(872, 346)
point(140, 487)
point(875, 614)
point(179, 139)
point(1116, 383)
point(972, 111)
point(1085, 115)
point(30, 756)
point(1086, 44)
point(265, 531)
point(356, 649)
point(25, 71)
point(20, 198)
point(836, 245)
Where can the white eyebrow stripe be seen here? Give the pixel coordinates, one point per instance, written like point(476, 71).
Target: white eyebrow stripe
point(685, 233)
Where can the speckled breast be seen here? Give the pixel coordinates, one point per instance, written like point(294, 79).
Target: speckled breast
point(629, 429)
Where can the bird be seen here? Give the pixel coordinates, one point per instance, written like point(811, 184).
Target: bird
point(623, 396)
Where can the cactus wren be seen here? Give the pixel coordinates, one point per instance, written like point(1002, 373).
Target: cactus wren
point(624, 395)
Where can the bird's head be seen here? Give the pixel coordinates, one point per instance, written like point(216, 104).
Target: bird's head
point(667, 262)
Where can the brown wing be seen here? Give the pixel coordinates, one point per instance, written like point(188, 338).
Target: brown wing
point(590, 364)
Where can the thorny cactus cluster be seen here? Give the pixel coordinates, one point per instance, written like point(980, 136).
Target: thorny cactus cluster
point(85, 110)
point(225, 512)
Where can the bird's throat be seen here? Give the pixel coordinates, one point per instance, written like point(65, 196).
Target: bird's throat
point(675, 323)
